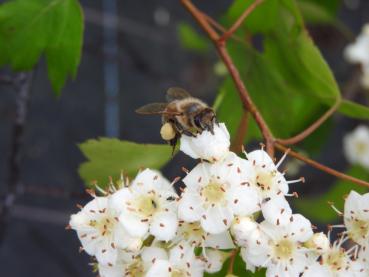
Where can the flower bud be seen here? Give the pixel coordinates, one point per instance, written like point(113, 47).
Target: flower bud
point(242, 228)
point(318, 242)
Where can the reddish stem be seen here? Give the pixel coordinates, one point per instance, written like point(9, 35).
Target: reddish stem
point(322, 167)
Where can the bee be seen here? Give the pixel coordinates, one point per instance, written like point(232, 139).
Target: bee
point(182, 114)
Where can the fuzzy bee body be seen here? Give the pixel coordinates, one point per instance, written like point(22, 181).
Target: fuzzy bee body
point(183, 114)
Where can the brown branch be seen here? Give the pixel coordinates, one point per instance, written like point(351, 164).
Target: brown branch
point(232, 259)
point(242, 91)
point(321, 166)
point(308, 131)
point(241, 133)
point(222, 29)
point(240, 20)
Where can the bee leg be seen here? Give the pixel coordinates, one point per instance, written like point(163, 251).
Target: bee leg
point(211, 128)
point(188, 133)
point(173, 143)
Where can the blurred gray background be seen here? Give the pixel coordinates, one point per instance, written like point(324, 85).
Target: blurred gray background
point(134, 52)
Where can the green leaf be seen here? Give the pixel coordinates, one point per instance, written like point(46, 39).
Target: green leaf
point(316, 14)
point(267, 11)
point(108, 157)
point(191, 40)
point(31, 28)
point(354, 110)
point(317, 208)
point(329, 6)
point(287, 77)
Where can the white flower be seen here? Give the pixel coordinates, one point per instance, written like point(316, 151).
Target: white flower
point(335, 262)
point(280, 248)
point(193, 234)
point(356, 217)
point(148, 206)
point(271, 186)
point(214, 260)
point(216, 192)
point(207, 146)
point(357, 52)
point(129, 265)
point(356, 146)
point(101, 232)
point(182, 262)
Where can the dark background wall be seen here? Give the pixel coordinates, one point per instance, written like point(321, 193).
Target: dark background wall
point(33, 241)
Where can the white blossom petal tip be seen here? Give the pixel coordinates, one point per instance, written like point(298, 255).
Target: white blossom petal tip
point(207, 146)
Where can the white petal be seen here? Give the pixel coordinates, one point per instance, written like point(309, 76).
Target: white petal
point(244, 200)
point(198, 176)
point(134, 225)
point(120, 198)
point(206, 145)
point(181, 254)
point(159, 268)
point(152, 253)
point(111, 271)
point(216, 220)
point(189, 206)
point(317, 270)
point(256, 258)
point(214, 260)
point(164, 226)
point(260, 158)
point(219, 241)
point(241, 229)
point(123, 240)
point(300, 228)
point(106, 254)
point(277, 211)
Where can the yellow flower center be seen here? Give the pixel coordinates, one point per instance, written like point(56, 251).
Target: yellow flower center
point(335, 259)
point(213, 193)
point(359, 230)
point(146, 205)
point(104, 225)
point(135, 269)
point(265, 179)
point(178, 273)
point(192, 232)
point(361, 148)
point(284, 249)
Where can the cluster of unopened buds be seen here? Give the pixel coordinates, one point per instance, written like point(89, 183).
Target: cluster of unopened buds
point(229, 205)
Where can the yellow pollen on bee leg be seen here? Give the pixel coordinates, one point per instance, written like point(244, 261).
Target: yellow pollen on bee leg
point(167, 132)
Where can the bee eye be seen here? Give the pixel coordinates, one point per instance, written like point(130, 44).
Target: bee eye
point(198, 121)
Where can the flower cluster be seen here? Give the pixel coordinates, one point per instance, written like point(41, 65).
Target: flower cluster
point(358, 53)
point(229, 203)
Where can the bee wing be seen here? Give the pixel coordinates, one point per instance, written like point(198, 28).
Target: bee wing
point(153, 108)
point(176, 94)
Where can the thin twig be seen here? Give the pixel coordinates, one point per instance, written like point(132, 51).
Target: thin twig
point(240, 20)
point(241, 133)
point(241, 88)
point(232, 259)
point(308, 131)
point(222, 29)
point(322, 167)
